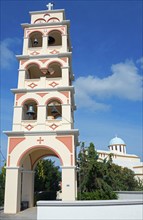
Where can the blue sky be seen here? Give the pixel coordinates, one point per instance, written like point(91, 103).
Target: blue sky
point(107, 62)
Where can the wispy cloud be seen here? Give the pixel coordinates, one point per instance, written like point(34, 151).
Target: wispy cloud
point(7, 55)
point(125, 82)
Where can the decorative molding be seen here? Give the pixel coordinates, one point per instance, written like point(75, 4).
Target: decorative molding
point(34, 53)
point(53, 126)
point(42, 94)
point(53, 84)
point(32, 85)
point(13, 142)
point(18, 96)
point(29, 127)
point(67, 141)
point(44, 60)
point(54, 52)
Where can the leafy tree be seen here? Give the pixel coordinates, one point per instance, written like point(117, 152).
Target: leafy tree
point(47, 177)
point(2, 185)
point(99, 180)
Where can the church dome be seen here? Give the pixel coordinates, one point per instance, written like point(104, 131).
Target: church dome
point(116, 141)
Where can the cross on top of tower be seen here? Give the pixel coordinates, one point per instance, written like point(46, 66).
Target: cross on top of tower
point(50, 6)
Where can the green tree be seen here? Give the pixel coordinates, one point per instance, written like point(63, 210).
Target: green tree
point(99, 180)
point(47, 177)
point(2, 185)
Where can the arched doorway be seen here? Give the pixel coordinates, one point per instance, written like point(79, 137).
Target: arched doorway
point(24, 155)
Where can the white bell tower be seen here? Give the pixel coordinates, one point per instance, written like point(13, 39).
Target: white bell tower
point(43, 120)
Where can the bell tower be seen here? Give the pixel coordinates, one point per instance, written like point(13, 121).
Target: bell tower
point(43, 119)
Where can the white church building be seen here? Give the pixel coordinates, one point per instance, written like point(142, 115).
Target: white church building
point(117, 147)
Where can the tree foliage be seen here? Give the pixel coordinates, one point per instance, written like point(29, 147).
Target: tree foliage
point(47, 176)
point(99, 180)
point(2, 185)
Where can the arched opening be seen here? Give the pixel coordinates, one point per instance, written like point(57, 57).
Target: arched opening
point(54, 70)
point(54, 110)
point(54, 38)
point(29, 111)
point(40, 176)
point(47, 181)
point(35, 39)
point(33, 72)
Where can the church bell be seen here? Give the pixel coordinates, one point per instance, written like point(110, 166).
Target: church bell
point(35, 41)
point(54, 110)
point(30, 111)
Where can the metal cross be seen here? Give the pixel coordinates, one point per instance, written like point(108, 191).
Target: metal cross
point(50, 6)
point(40, 140)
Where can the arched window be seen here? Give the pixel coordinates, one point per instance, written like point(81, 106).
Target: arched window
point(54, 110)
point(29, 110)
point(54, 70)
point(35, 39)
point(54, 38)
point(33, 72)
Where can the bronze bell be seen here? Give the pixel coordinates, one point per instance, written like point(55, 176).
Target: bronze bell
point(30, 111)
point(35, 41)
point(54, 110)
point(51, 40)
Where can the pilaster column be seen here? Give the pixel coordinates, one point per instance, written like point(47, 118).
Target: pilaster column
point(41, 117)
point(65, 75)
point(44, 44)
point(12, 190)
point(64, 42)
point(28, 186)
point(21, 78)
point(69, 187)
point(25, 45)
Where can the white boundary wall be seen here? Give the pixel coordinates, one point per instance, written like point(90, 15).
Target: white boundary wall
point(130, 195)
point(90, 210)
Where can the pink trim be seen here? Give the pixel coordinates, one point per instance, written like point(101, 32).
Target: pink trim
point(29, 127)
point(38, 30)
point(55, 99)
point(46, 15)
point(13, 142)
point(40, 147)
point(42, 94)
point(53, 84)
point(55, 61)
point(23, 61)
point(67, 141)
point(53, 126)
point(34, 53)
point(53, 18)
point(55, 29)
point(18, 96)
point(32, 85)
point(32, 64)
point(30, 100)
point(43, 155)
point(54, 52)
point(65, 93)
point(64, 59)
point(44, 61)
point(39, 19)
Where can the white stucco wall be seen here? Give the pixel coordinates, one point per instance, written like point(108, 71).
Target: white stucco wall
point(90, 210)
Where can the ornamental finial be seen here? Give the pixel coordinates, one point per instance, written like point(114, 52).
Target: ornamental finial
point(50, 6)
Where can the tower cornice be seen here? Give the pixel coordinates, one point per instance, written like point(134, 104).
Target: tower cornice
point(47, 11)
point(64, 22)
point(23, 57)
point(63, 88)
point(74, 132)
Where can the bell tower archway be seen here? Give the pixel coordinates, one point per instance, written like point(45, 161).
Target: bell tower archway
point(43, 119)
